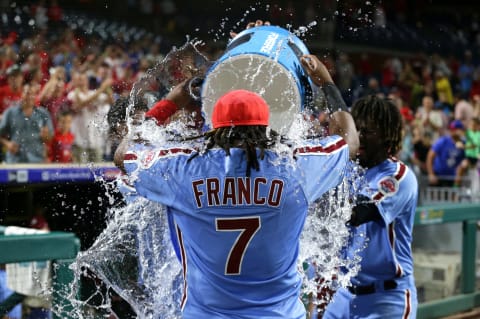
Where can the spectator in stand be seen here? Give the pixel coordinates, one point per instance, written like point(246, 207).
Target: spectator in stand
point(89, 124)
point(365, 69)
point(55, 15)
point(429, 118)
point(445, 155)
point(7, 59)
point(442, 105)
point(439, 64)
point(37, 56)
point(102, 72)
point(406, 151)
point(26, 129)
point(476, 105)
point(454, 66)
point(11, 40)
point(62, 141)
point(34, 76)
point(465, 73)
point(116, 58)
point(405, 110)
point(463, 109)
point(388, 78)
point(406, 81)
point(12, 92)
point(344, 76)
point(39, 11)
point(373, 88)
point(422, 142)
point(34, 62)
point(472, 150)
point(53, 96)
point(442, 86)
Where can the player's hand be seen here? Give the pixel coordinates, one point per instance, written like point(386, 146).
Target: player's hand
point(364, 211)
point(12, 147)
point(251, 25)
point(194, 88)
point(316, 70)
point(180, 95)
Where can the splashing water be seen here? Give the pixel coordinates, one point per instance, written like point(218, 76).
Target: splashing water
point(324, 238)
point(134, 257)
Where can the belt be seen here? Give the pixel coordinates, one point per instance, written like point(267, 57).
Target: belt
point(370, 289)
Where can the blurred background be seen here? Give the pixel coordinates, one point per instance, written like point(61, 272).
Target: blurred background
point(424, 55)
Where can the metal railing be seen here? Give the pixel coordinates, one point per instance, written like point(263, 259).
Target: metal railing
point(469, 297)
point(60, 247)
point(467, 192)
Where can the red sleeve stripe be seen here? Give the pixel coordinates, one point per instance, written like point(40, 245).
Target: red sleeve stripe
point(321, 149)
point(130, 157)
point(401, 172)
point(174, 151)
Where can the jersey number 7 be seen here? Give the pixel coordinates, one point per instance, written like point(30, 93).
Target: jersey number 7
point(248, 227)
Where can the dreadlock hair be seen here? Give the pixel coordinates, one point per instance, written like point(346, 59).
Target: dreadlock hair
point(386, 115)
point(247, 137)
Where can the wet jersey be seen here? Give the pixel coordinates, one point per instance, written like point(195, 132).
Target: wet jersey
point(388, 252)
point(384, 248)
point(239, 235)
point(130, 195)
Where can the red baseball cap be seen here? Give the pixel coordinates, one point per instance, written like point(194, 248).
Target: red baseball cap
point(240, 107)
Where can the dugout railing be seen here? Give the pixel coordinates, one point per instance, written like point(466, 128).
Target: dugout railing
point(59, 247)
point(468, 296)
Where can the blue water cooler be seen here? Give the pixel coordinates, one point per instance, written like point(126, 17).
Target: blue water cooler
point(265, 60)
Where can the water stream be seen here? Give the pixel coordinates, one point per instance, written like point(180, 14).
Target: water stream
point(134, 257)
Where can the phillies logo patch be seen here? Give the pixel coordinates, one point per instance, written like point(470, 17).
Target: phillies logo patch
point(388, 186)
point(148, 158)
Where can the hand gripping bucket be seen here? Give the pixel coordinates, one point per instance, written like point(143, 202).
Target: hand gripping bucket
point(265, 60)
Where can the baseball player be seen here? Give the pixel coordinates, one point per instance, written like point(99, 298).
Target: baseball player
point(382, 220)
point(239, 206)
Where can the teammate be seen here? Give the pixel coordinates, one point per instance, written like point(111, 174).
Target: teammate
point(384, 286)
point(239, 206)
point(149, 245)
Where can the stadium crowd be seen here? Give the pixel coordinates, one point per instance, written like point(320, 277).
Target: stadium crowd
point(76, 77)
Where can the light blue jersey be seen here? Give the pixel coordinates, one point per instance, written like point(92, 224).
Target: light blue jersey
point(386, 267)
point(393, 186)
point(238, 235)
